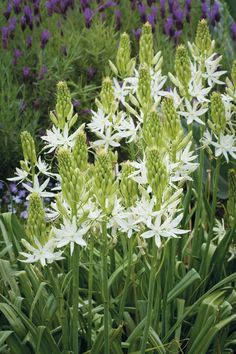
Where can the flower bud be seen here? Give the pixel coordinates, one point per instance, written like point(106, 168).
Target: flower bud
point(107, 96)
point(123, 55)
point(203, 38)
point(80, 151)
point(171, 119)
point(218, 118)
point(28, 147)
point(144, 88)
point(36, 224)
point(231, 204)
point(64, 107)
point(182, 66)
point(146, 52)
point(104, 177)
point(156, 174)
point(128, 187)
point(152, 130)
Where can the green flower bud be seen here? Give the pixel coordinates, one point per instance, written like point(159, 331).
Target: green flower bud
point(231, 204)
point(152, 130)
point(233, 73)
point(156, 173)
point(104, 177)
point(71, 177)
point(107, 96)
point(128, 187)
point(146, 52)
point(144, 88)
point(28, 147)
point(182, 66)
point(64, 107)
point(203, 38)
point(80, 151)
point(171, 119)
point(218, 118)
point(36, 224)
point(123, 55)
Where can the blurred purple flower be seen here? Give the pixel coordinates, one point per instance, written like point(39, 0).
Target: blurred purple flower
point(142, 12)
point(76, 103)
point(169, 27)
point(150, 2)
point(118, 16)
point(16, 4)
point(42, 72)
point(88, 16)
point(29, 41)
point(36, 7)
point(137, 33)
point(45, 35)
point(233, 31)
point(24, 214)
point(28, 16)
point(17, 54)
point(214, 14)
point(13, 188)
point(26, 72)
point(5, 37)
point(7, 12)
point(22, 193)
point(205, 10)
point(177, 35)
point(84, 4)
point(23, 22)
point(106, 5)
point(151, 20)
point(91, 72)
point(163, 8)
point(12, 26)
point(171, 5)
point(178, 16)
point(154, 13)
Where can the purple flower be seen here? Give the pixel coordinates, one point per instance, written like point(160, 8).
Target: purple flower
point(26, 72)
point(91, 72)
point(169, 27)
point(16, 4)
point(142, 12)
point(178, 15)
point(214, 14)
point(13, 188)
point(76, 103)
point(177, 35)
point(45, 35)
point(171, 5)
point(163, 8)
point(7, 12)
point(204, 10)
point(84, 4)
point(150, 2)
point(118, 16)
point(12, 26)
point(17, 54)
point(151, 20)
point(42, 72)
point(88, 16)
point(188, 4)
point(23, 22)
point(5, 37)
point(28, 16)
point(154, 13)
point(137, 33)
point(29, 41)
point(106, 5)
point(24, 214)
point(233, 31)
point(36, 4)
point(22, 193)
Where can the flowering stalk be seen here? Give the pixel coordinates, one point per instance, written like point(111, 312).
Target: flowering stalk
point(90, 291)
point(75, 299)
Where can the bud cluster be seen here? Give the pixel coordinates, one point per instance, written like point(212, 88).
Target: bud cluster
point(146, 52)
point(28, 147)
point(128, 187)
point(218, 119)
point(36, 224)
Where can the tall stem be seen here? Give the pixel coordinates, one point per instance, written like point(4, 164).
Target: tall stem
point(105, 288)
point(90, 292)
point(75, 299)
point(127, 280)
point(150, 300)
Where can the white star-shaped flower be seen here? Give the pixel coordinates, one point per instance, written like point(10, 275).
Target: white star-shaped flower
point(70, 234)
point(194, 111)
point(39, 189)
point(99, 121)
point(57, 138)
point(21, 175)
point(226, 146)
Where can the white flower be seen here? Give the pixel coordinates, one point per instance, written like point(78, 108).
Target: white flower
point(219, 229)
point(42, 253)
point(168, 228)
point(70, 234)
point(132, 82)
point(194, 111)
point(206, 140)
point(157, 83)
point(212, 75)
point(107, 139)
point(21, 175)
point(127, 129)
point(140, 175)
point(177, 100)
point(144, 209)
point(185, 166)
point(99, 121)
point(44, 168)
point(225, 146)
point(56, 138)
point(196, 89)
point(120, 90)
point(39, 189)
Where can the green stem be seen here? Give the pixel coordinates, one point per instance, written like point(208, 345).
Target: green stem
point(127, 280)
point(196, 245)
point(90, 292)
point(75, 299)
point(105, 288)
point(150, 300)
point(203, 269)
